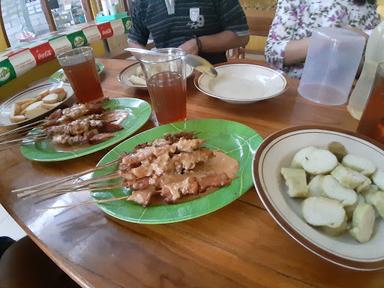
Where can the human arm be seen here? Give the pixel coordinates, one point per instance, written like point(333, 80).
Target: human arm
point(133, 44)
point(231, 18)
point(138, 34)
point(296, 51)
point(280, 43)
point(215, 43)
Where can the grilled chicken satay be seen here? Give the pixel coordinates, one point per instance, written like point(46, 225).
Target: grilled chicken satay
point(163, 167)
point(73, 113)
point(76, 127)
point(178, 163)
point(172, 192)
point(192, 185)
point(87, 128)
point(90, 137)
point(146, 152)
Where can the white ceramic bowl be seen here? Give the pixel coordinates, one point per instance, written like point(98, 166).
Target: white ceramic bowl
point(5, 108)
point(276, 152)
point(242, 83)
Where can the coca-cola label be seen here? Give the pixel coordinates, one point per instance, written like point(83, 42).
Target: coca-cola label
point(127, 24)
point(77, 39)
point(60, 44)
point(105, 29)
point(92, 34)
point(117, 27)
point(42, 53)
point(7, 73)
point(22, 62)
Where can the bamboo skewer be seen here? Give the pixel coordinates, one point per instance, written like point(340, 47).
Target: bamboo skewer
point(69, 187)
point(17, 135)
point(55, 182)
point(88, 203)
point(31, 138)
point(5, 146)
point(14, 135)
point(21, 128)
point(58, 193)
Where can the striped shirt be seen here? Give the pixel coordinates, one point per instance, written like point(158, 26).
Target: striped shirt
point(190, 18)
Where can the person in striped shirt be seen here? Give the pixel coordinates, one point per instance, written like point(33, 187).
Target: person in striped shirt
point(202, 27)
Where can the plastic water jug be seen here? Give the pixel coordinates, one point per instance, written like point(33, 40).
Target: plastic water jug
point(334, 55)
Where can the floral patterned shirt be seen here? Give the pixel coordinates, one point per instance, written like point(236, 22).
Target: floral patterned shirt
point(296, 19)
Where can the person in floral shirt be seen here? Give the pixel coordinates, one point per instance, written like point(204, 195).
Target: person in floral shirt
point(295, 21)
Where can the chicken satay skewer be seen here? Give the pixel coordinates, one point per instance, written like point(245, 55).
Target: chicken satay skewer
point(52, 183)
point(19, 130)
point(84, 189)
point(69, 187)
point(8, 144)
point(88, 203)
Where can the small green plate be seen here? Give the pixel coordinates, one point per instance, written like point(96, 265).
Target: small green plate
point(235, 139)
point(139, 112)
point(58, 76)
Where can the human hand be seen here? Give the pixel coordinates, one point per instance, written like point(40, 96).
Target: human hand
point(190, 47)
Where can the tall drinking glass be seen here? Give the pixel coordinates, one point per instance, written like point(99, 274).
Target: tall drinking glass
point(372, 121)
point(167, 86)
point(80, 68)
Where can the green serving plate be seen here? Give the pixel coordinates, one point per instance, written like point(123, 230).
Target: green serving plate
point(139, 112)
point(58, 76)
point(235, 139)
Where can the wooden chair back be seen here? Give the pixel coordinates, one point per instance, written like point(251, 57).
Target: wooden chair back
point(259, 23)
point(4, 42)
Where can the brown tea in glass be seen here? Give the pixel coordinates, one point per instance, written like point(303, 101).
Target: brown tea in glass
point(80, 68)
point(372, 121)
point(168, 96)
point(167, 85)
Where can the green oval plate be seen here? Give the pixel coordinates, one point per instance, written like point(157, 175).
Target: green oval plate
point(58, 76)
point(139, 112)
point(235, 139)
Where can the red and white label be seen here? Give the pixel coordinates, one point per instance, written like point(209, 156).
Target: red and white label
point(117, 27)
point(22, 62)
point(92, 34)
point(12, 52)
point(42, 53)
point(60, 45)
point(106, 30)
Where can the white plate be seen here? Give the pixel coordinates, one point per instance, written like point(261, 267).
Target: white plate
point(276, 152)
point(131, 70)
point(5, 108)
point(242, 83)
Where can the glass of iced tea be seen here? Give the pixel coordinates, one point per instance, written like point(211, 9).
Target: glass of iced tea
point(167, 86)
point(80, 68)
point(372, 121)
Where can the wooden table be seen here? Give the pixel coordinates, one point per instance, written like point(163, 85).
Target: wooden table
point(237, 246)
